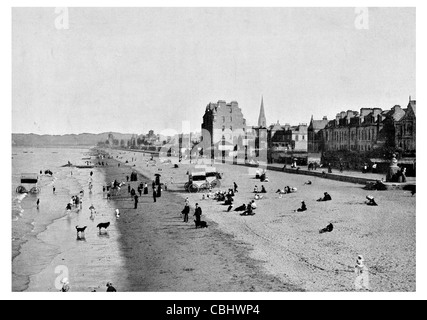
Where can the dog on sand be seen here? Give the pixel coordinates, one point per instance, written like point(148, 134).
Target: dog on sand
point(104, 225)
point(201, 224)
point(80, 230)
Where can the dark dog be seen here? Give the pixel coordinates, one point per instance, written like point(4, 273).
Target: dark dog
point(81, 229)
point(328, 228)
point(104, 225)
point(201, 224)
point(411, 188)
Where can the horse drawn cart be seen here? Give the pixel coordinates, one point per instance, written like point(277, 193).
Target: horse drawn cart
point(203, 180)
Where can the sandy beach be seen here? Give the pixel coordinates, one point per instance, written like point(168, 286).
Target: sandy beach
point(281, 243)
point(164, 254)
point(151, 249)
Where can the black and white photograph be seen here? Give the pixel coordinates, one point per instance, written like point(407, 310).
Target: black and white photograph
point(200, 150)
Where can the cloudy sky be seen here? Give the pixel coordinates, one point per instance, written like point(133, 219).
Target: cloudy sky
point(135, 69)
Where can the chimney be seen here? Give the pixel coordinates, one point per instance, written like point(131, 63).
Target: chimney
point(377, 111)
point(325, 118)
point(337, 118)
point(350, 115)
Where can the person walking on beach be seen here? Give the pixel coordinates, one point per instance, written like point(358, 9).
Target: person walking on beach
point(145, 188)
point(235, 187)
point(186, 211)
point(53, 188)
point(198, 213)
point(37, 203)
point(154, 194)
point(136, 201)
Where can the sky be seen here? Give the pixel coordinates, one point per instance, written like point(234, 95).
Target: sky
point(131, 70)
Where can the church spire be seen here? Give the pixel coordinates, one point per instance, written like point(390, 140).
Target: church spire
point(262, 122)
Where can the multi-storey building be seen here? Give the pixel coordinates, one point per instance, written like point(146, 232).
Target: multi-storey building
point(223, 129)
point(405, 130)
point(370, 129)
point(287, 141)
point(352, 130)
point(315, 138)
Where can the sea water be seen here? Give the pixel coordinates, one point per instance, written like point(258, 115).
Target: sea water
point(28, 221)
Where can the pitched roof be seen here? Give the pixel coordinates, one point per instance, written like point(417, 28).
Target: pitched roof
point(319, 124)
point(413, 104)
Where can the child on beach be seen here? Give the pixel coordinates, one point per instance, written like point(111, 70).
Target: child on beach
point(362, 274)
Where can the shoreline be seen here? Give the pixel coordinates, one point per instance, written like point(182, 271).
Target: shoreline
point(89, 263)
point(151, 249)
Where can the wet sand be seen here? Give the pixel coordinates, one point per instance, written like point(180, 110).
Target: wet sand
point(89, 262)
point(284, 244)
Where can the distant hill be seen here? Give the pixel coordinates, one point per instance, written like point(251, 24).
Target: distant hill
point(82, 139)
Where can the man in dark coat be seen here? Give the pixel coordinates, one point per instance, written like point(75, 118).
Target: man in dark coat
point(185, 212)
point(136, 201)
point(154, 194)
point(198, 213)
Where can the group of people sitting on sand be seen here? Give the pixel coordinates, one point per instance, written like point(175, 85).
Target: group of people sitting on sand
point(246, 209)
point(286, 190)
point(256, 190)
point(220, 196)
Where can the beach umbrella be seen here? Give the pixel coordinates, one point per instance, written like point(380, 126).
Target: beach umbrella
point(92, 207)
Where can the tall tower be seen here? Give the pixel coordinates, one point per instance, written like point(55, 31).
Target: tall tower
point(262, 122)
